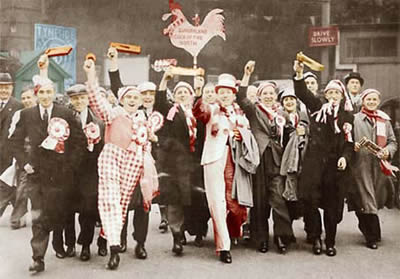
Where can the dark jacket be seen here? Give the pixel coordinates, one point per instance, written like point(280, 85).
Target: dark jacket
point(6, 115)
point(181, 170)
point(53, 171)
point(320, 182)
point(86, 179)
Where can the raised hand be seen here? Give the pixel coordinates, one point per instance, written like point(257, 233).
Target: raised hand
point(298, 67)
point(249, 68)
point(90, 69)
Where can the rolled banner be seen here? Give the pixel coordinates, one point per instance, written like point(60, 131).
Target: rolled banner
point(92, 132)
point(280, 122)
point(58, 130)
point(155, 121)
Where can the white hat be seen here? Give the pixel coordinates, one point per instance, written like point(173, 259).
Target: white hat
point(288, 92)
point(369, 91)
point(39, 82)
point(226, 81)
point(335, 84)
point(122, 91)
point(309, 74)
point(265, 84)
point(147, 86)
point(185, 85)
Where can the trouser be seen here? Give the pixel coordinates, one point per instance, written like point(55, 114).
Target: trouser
point(119, 173)
point(218, 179)
point(313, 222)
point(175, 214)
point(21, 200)
point(140, 225)
point(370, 227)
point(280, 212)
point(40, 228)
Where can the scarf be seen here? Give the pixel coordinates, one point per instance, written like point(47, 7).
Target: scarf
point(235, 116)
point(378, 118)
point(273, 115)
point(327, 109)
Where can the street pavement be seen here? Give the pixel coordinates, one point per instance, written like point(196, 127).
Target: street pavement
point(354, 260)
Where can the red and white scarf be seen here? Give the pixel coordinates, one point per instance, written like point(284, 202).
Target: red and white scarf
point(379, 118)
point(327, 109)
point(190, 121)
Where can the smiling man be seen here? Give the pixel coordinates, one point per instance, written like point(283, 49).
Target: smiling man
point(49, 164)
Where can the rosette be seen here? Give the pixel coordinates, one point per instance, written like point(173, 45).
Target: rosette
point(58, 132)
point(92, 132)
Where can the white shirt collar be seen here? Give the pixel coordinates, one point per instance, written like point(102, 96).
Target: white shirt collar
point(49, 110)
point(84, 115)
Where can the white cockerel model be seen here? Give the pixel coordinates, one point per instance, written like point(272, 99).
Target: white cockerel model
point(190, 37)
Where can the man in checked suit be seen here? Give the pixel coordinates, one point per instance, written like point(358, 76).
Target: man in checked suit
point(8, 106)
point(50, 163)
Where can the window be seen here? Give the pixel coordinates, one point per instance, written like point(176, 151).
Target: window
point(371, 47)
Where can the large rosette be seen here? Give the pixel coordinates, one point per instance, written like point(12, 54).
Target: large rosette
point(58, 132)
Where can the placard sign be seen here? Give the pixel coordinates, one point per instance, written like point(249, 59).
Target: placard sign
point(323, 36)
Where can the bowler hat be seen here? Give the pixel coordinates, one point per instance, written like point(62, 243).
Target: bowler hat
point(5, 78)
point(355, 75)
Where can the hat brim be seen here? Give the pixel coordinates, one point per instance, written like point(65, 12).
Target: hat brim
point(6, 82)
point(77, 93)
point(359, 78)
point(218, 87)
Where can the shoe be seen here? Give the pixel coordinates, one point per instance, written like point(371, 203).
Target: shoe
point(71, 251)
point(60, 253)
point(317, 247)
point(37, 266)
point(123, 246)
point(225, 257)
point(263, 247)
point(234, 241)
point(140, 252)
point(280, 245)
point(102, 247)
point(198, 241)
point(246, 232)
point(183, 239)
point(330, 251)
point(85, 253)
point(372, 245)
point(113, 262)
point(163, 227)
point(177, 247)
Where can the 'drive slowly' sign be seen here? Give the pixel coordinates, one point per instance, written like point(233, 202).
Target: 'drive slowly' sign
point(323, 36)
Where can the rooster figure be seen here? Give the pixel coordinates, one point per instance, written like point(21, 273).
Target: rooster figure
point(190, 37)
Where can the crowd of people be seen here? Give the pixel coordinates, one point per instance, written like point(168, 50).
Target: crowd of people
point(231, 152)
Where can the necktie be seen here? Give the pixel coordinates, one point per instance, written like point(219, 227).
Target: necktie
point(45, 116)
point(2, 105)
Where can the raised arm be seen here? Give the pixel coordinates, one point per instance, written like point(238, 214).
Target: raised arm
point(161, 103)
point(43, 65)
point(246, 105)
point(99, 105)
point(312, 102)
point(113, 72)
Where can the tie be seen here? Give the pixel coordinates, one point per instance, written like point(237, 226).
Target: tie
point(2, 105)
point(45, 116)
